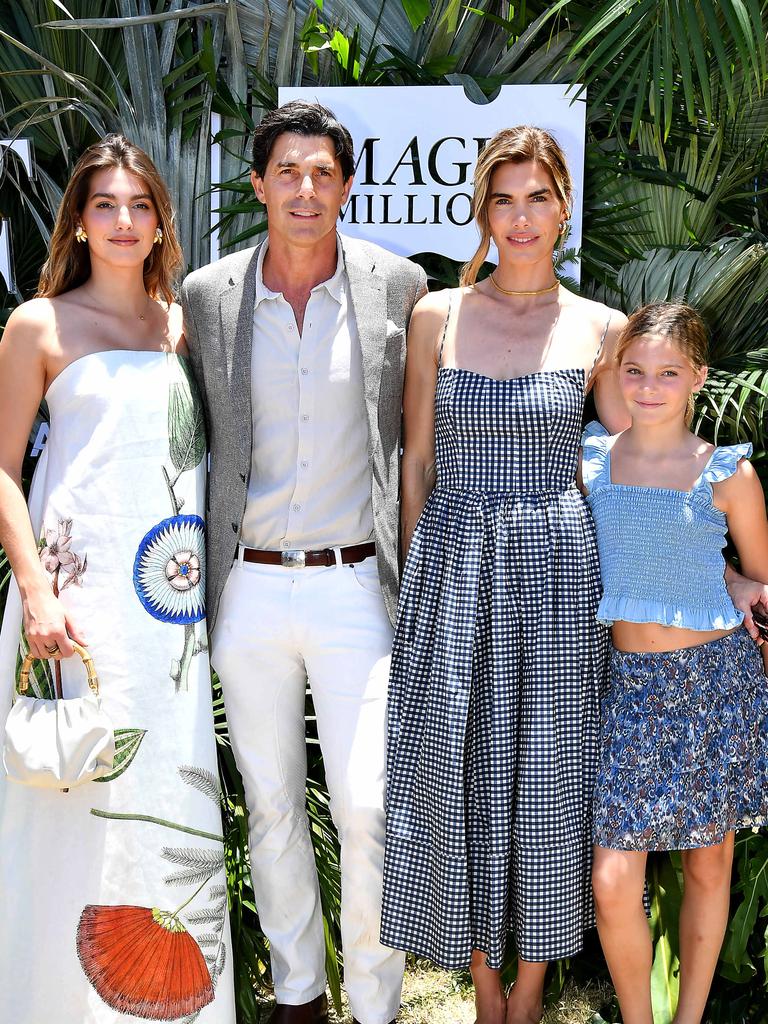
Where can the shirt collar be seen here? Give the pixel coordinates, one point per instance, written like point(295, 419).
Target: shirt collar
point(334, 285)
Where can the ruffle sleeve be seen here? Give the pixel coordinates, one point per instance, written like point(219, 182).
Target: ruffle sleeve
point(594, 443)
point(724, 463)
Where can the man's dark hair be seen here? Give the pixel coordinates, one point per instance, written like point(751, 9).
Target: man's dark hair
point(302, 118)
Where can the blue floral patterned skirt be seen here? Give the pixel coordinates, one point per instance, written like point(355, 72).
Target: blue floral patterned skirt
point(684, 747)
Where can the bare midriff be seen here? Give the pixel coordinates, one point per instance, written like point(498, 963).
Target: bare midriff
point(638, 637)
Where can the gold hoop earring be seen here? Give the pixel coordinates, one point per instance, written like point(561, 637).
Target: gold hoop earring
point(158, 239)
point(80, 234)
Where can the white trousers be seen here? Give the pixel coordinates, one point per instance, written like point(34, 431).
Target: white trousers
point(276, 629)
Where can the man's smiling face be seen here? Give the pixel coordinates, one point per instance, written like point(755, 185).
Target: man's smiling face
point(303, 188)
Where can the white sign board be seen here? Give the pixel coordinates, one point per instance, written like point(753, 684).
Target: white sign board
point(22, 147)
point(6, 255)
point(416, 148)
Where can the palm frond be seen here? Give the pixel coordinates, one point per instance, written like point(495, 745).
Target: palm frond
point(668, 51)
point(728, 283)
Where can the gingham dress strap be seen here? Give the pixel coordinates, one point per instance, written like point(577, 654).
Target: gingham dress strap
point(445, 328)
point(599, 349)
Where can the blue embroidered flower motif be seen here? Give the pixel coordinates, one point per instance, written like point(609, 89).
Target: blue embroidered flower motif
point(169, 570)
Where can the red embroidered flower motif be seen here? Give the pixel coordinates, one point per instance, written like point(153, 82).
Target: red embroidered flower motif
point(143, 961)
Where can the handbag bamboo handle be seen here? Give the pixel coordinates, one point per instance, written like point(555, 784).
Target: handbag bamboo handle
point(90, 668)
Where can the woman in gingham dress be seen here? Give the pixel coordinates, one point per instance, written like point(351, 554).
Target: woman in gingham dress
point(498, 657)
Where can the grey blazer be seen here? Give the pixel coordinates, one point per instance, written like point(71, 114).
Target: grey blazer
point(218, 303)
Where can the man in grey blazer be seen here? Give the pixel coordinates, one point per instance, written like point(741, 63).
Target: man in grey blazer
point(299, 348)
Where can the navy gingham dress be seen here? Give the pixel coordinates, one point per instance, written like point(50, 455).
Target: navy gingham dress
point(497, 663)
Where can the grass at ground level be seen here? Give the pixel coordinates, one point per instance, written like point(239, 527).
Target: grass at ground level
point(432, 996)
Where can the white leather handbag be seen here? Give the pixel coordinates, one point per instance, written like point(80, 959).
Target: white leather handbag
point(62, 743)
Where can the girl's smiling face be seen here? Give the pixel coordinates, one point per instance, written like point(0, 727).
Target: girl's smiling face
point(656, 378)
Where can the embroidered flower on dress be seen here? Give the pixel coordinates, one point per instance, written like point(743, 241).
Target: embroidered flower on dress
point(143, 961)
point(183, 570)
point(57, 558)
point(74, 572)
point(57, 544)
point(169, 570)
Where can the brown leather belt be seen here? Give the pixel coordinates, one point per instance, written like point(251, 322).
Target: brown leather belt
point(295, 559)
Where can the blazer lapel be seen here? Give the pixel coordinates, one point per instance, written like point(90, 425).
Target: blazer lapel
point(236, 312)
point(368, 292)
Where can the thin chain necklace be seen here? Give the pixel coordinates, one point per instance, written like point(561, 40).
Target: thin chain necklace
point(141, 316)
point(538, 291)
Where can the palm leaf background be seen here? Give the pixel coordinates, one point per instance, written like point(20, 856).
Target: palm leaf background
point(675, 207)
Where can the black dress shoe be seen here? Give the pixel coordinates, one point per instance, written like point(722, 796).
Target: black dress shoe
point(315, 1012)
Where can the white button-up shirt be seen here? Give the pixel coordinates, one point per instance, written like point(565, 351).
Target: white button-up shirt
point(310, 483)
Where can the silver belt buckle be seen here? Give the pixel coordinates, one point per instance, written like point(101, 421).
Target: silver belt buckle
point(293, 559)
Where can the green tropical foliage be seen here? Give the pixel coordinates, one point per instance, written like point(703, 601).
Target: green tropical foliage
point(675, 207)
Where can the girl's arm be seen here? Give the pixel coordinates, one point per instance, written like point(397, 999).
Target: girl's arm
point(418, 463)
point(741, 498)
point(22, 385)
point(579, 472)
point(611, 409)
point(746, 594)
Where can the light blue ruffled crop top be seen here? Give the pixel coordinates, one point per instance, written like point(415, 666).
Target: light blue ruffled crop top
point(660, 550)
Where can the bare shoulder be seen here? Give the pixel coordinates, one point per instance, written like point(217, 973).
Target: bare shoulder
point(739, 494)
point(430, 312)
point(742, 485)
point(28, 348)
point(33, 325)
point(426, 324)
point(34, 314)
point(597, 313)
point(435, 303)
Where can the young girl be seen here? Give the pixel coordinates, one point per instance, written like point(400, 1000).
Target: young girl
point(684, 751)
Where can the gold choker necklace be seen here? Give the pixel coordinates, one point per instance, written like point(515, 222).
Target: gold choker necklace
point(539, 291)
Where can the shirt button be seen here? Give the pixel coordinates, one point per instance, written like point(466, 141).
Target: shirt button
point(304, 464)
point(304, 371)
point(297, 508)
point(290, 327)
point(286, 544)
point(305, 418)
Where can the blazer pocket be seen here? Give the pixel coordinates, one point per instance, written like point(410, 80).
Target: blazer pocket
point(394, 357)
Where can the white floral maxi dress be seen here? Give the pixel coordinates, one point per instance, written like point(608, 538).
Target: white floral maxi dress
point(114, 894)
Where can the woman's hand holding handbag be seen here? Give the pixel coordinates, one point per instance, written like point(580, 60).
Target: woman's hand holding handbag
point(60, 743)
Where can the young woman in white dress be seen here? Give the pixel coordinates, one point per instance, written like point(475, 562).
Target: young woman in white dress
point(115, 890)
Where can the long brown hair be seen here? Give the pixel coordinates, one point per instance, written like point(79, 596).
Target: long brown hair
point(516, 146)
point(69, 261)
point(679, 322)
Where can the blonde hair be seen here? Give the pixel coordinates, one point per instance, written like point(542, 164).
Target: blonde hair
point(679, 322)
point(516, 146)
point(69, 261)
